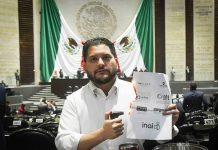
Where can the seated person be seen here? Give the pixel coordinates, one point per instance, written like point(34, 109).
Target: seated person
point(43, 106)
point(52, 105)
point(21, 109)
point(194, 100)
point(55, 74)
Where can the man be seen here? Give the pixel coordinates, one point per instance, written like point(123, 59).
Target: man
point(194, 100)
point(17, 77)
point(85, 122)
point(188, 74)
point(172, 74)
point(3, 84)
point(43, 106)
point(2, 101)
point(80, 74)
point(61, 74)
point(52, 105)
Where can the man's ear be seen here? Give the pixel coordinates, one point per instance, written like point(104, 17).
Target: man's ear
point(84, 67)
point(116, 60)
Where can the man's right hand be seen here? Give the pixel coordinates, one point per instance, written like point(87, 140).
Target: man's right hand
point(112, 128)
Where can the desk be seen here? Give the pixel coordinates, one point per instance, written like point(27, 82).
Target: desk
point(60, 86)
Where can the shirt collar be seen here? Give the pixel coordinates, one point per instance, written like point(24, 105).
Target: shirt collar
point(94, 89)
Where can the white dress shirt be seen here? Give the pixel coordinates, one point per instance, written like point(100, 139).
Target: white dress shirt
point(84, 111)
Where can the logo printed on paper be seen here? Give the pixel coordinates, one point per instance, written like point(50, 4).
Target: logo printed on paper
point(155, 126)
point(144, 84)
point(140, 108)
point(163, 96)
point(164, 85)
point(141, 97)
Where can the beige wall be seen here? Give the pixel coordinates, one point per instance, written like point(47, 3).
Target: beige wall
point(36, 22)
point(175, 38)
point(9, 41)
point(9, 34)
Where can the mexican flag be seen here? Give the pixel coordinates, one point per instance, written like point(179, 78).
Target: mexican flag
point(61, 48)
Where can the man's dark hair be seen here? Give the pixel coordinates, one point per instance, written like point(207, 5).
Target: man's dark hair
point(95, 42)
point(193, 86)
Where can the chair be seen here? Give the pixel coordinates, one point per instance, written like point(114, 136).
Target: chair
point(31, 139)
point(2, 136)
point(49, 126)
point(213, 136)
point(8, 124)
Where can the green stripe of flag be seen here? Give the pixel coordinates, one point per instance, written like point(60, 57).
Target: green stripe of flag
point(50, 35)
point(144, 29)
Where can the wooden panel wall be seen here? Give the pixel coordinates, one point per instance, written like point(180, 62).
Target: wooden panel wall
point(216, 40)
point(160, 36)
point(25, 9)
point(189, 35)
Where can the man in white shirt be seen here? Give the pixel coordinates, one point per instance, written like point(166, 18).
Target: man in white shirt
point(85, 120)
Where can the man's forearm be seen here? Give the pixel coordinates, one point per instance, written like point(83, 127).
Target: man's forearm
point(88, 141)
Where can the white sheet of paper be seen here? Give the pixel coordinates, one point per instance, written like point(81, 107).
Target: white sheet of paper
point(153, 95)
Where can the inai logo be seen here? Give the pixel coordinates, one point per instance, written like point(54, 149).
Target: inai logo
point(155, 126)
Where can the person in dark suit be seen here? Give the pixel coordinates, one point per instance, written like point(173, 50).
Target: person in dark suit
point(80, 73)
point(2, 112)
point(188, 73)
point(2, 101)
point(215, 101)
point(194, 100)
point(61, 74)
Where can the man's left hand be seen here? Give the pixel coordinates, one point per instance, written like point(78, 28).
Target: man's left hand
point(172, 109)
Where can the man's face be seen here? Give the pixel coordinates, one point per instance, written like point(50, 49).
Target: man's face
point(100, 65)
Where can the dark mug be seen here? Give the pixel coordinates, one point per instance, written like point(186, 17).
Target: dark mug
point(129, 146)
point(116, 114)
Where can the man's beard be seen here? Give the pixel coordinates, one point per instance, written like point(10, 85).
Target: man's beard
point(105, 80)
